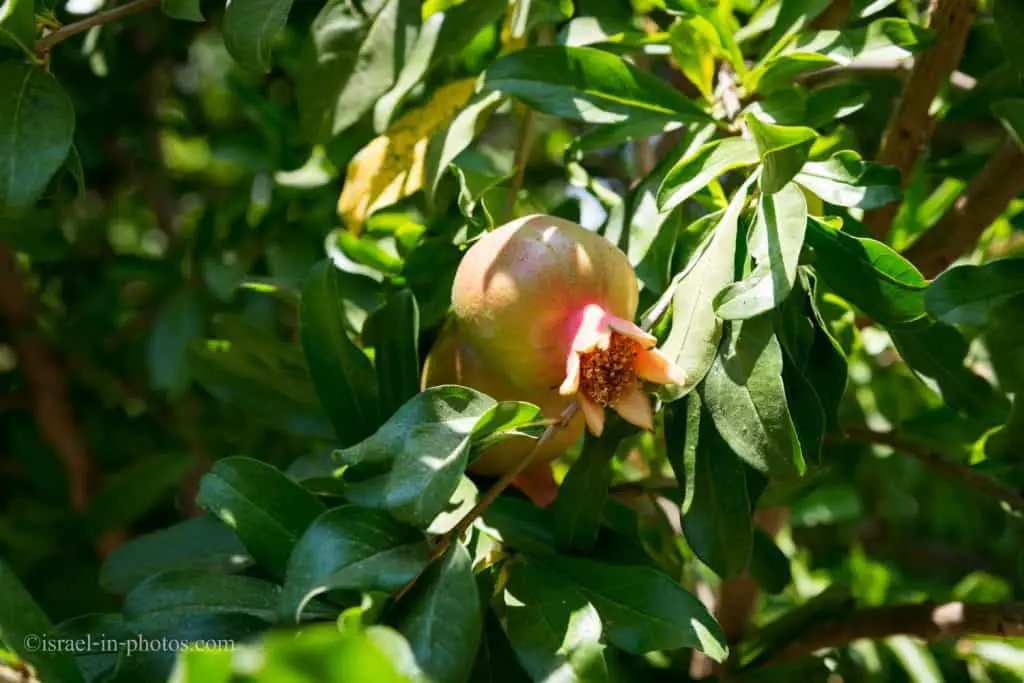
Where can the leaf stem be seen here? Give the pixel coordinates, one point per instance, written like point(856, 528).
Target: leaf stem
point(46, 43)
point(444, 541)
point(940, 463)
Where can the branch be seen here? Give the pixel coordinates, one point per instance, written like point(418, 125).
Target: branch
point(910, 127)
point(985, 198)
point(45, 380)
point(47, 43)
point(929, 621)
point(975, 480)
point(444, 541)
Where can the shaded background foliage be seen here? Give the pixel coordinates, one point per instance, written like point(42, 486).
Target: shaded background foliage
point(168, 313)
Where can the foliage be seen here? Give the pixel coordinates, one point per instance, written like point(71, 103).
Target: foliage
point(228, 235)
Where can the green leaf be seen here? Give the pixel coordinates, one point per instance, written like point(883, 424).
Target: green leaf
point(445, 601)
point(1011, 114)
point(250, 26)
point(495, 660)
point(583, 492)
point(203, 666)
point(201, 543)
point(352, 56)
point(341, 372)
point(768, 565)
point(267, 510)
point(696, 330)
point(938, 351)
point(793, 15)
point(969, 295)
point(351, 548)
point(393, 329)
point(263, 376)
point(868, 274)
point(18, 24)
point(134, 491)
point(805, 406)
point(1004, 338)
point(25, 628)
point(376, 654)
point(709, 162)
point(745, 396)
point(682, 437)
point(846, 180)
point(643, 609)
point(37, 120)
point(718, 524)
point(447, 144)
point(177, 325)
point(506, 420)
point(783, 151)
point(172, 596)
point(413, 463)
point(552, 626)
point(775, 244)
point(519, 524)
point(586, 84)
point(1008, 16)
point(188, 10)
point(442, 36)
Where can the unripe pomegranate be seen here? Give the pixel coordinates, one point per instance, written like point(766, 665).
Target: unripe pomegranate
point(543, 307)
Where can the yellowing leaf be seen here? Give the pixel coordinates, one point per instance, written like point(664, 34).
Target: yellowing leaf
point(695, 45)
point(390, 167)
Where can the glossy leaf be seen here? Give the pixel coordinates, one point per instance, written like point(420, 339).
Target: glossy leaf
point(506, 420)
point(745, 396)
point(550, 622)
point(341, 372)
point(846, 180)
point(445, 601)
point(249, 28)
point(177, 325)
point(709, 162)
point(642, 609)
point(868, 274)
point(267, 510)
point(586, 84)
point(696, 330)
point(37, 120)
point(199, 543)
point(495, 660)
point(413, 463)
point(445, 145)
point(23, 628)
point(391, 166)
point(783, 151)
point(682, 437)
point(969, 295)
point(18, 24)
point(171, 596)
point(774, 243)
point(393, 330)
point(442, 36)
point(718, 524)
point(351, 58)
point(768, 564)
point(582, 494)
point(351, 548)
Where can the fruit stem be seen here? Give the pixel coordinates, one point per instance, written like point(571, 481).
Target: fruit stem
point(45, 44)
point(444, 541)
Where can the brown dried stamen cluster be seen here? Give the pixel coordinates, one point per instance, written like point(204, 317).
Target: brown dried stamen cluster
point(606, 374)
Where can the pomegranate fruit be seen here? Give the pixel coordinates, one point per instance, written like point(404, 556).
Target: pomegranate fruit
point(543, 312)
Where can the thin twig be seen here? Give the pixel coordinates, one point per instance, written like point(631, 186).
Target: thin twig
point(46, 43)
point(911, 125)
point(45, 380)
point(928, 621)
point(444, 541)
point(521, 158)
point(985, 198)
point(979, 482)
